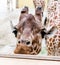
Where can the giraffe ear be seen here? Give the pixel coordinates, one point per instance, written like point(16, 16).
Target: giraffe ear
point(43, 33)
point(45, 21)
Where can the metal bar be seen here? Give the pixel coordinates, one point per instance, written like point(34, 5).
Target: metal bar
point(32, 57)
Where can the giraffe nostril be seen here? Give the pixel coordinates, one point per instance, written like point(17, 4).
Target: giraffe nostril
point(18, 41)
point(28, 42)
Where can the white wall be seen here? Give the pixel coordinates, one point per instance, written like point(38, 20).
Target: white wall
point(14, 4)
point(3, 5)
point(4, 8)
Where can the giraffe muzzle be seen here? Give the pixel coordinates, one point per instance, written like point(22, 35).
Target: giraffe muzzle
point(28, 43)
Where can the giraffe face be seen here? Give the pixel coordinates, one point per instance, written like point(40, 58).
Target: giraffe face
point(26, 37)
point(27, 25)
point(25, 41)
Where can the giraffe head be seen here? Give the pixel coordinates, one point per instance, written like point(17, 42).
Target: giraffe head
point(27, 37)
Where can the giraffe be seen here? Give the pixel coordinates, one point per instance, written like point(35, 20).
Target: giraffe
point(35, 48)
point(40, 3)
point(53, 40)
point(29, 42)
